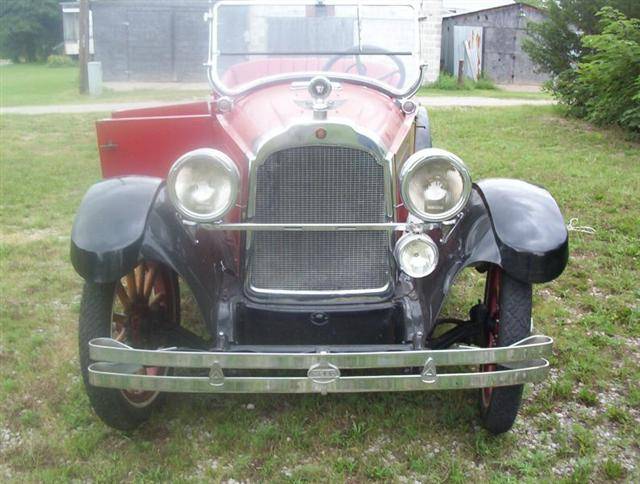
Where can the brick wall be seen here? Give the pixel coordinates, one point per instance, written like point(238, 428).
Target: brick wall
point(430, 36)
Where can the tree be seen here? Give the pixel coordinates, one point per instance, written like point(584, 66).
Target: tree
point(555, 45)
point(29, 29)
point(592, 70)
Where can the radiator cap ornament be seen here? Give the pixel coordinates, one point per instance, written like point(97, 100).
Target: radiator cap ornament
point(320, 88)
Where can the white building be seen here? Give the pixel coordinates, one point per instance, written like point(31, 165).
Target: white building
point(71, 27)
point(430, 36)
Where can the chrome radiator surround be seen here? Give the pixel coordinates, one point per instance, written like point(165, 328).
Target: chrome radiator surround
point(343, 138)
point(117, 366)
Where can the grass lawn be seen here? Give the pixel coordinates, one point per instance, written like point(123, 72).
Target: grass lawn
point(37, 84)
point(491, 93)
point(583, 424)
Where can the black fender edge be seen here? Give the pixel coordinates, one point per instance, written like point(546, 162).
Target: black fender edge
point(529, 229)
point(109, 227)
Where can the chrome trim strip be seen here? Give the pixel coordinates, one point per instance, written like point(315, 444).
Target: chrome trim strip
point(328, 293)
point(108, 350)
point(110, 375)
point(258, 227)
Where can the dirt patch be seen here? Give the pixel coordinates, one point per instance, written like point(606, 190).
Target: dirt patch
point(32, 235)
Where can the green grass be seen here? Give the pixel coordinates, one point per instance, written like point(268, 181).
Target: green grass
point(580, 425)
point(447, 85)
point(447, 82)
point(489, 93)
point(38, 84)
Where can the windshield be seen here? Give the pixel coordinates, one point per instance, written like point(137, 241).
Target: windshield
point(254, 42)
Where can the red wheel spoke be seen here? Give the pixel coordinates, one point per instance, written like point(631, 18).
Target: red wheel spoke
point(123, 296)
point(131, 286)
point(149, 281)
point(119, 318)
point(157, 299)
point(139, 278)
point(148, 285)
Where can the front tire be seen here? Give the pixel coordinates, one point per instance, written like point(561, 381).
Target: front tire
point(120, 409)
point(509, 302)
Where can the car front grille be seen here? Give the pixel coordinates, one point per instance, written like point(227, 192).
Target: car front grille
point(319, 184)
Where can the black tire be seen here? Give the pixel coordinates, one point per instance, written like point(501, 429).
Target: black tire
point(499, 415)
point(95, 322)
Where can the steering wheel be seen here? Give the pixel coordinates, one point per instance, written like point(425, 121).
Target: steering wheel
point(361, 68)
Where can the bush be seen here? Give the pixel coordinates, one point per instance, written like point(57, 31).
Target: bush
point(484, 83)
point(447, 82)
point(608, 80)
point(60, 61)
point(604, 87)
point(590, 49)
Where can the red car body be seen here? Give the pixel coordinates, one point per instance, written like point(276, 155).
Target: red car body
point(147, 141)
point(331, 234)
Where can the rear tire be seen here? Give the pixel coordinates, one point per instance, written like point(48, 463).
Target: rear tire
point(499, 406)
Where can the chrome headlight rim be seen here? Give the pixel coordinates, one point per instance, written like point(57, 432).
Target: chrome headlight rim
point(402, 243)
point(214, 156)
point(417, 160)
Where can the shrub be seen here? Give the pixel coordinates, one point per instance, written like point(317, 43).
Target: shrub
point(554, 45)
point(447, 82)
point(484, 83)
point(590, 48)
point(60, 61)
point(608, 79)
point(604, 87)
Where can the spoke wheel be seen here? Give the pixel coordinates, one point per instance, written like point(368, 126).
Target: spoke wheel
point(143, 306)
point(136, 310)
point(490, 335)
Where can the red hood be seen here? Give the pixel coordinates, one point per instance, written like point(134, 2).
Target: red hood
point(277, 107)
point(147, 141)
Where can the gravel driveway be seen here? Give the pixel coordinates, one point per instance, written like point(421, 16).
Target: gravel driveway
point(445, 101)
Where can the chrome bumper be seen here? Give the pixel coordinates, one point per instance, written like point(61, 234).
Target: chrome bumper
point(120, 366)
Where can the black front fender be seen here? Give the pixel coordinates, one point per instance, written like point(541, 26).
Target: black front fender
point(121, 221)
point(512, 224)
point(529, 229)
point(109, 227)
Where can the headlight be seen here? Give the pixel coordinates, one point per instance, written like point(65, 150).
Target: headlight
point(203, 184)
point(416, 254)
point(435, 184)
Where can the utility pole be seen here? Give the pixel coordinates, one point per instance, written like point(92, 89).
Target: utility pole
point(83, 44)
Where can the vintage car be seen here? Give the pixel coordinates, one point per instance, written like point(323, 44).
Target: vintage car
point(313, 223)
